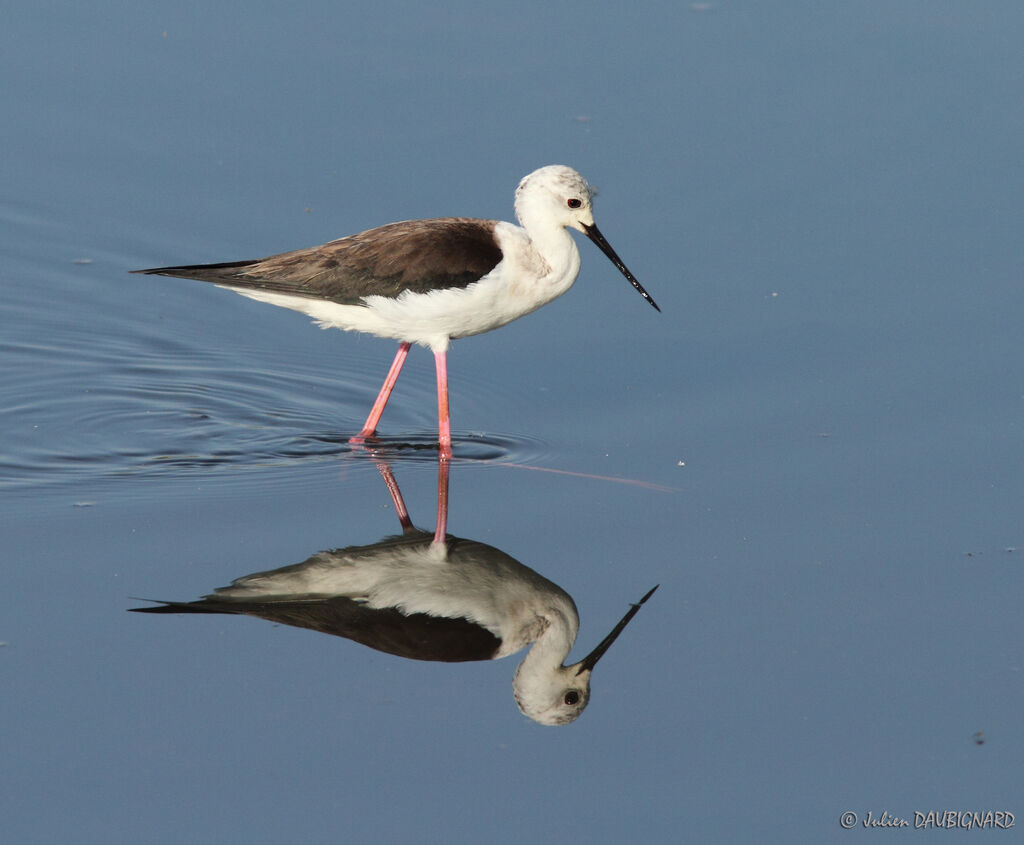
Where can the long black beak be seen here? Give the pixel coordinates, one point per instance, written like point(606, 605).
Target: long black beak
point(591, 659)
point(595, 235)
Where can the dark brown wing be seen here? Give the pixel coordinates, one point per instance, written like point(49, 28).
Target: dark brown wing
point(415, 255)
point(417, 636)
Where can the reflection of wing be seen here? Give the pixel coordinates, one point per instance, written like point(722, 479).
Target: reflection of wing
point(418, 636)
point(416, 255)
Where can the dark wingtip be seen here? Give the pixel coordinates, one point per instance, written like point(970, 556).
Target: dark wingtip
point(170, 607)
point(161, 607)
point(156, 271)
point(225, 271)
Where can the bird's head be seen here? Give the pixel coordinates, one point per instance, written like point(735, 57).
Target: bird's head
point(557, 195)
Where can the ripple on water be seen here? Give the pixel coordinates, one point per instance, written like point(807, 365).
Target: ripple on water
point(475, 446)
point(159, 416)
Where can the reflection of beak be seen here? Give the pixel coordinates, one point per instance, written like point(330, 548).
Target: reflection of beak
point(591, 659)
point(595, 235)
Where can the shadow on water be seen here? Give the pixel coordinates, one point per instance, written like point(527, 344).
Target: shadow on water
point(430, 596)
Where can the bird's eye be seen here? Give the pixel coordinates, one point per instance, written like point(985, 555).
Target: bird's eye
point(575, 203)
point(572, 697)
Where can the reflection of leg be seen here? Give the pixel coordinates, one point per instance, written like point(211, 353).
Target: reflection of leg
point(384, 395)
point(444, 426)
point(440, 532)
point(396, 495)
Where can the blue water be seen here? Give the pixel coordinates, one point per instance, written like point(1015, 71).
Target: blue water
point(816, 449)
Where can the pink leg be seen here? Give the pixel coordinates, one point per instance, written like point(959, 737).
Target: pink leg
point(444, 426)
point(385, 393)
point(396, 496)
point(440, 532)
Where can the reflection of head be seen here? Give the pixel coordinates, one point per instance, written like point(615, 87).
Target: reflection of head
point(553, 699)
point(549, 692)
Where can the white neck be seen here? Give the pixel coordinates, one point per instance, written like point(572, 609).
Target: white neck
point(549, 238)
point(548, 652)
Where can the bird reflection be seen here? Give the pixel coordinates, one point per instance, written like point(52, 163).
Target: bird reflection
point(430, 597)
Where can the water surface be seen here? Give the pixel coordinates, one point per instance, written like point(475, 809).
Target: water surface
point(815, 449)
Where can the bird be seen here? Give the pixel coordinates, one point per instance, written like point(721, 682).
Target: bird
point(429, 282)
point(415, 596)
point(406, 596)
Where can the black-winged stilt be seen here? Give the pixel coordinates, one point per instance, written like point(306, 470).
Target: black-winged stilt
point(431, 281)
point(417, 597)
